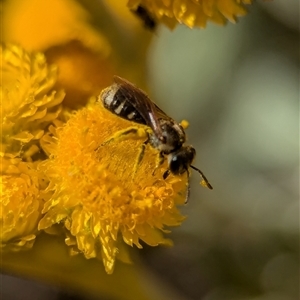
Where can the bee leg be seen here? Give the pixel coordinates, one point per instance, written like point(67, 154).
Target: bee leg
point(166, 174)
point(140, 156)
point(159, 161)
point(134, 133)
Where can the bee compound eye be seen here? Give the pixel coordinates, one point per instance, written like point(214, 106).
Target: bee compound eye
point(174, 165)
point(177, 164)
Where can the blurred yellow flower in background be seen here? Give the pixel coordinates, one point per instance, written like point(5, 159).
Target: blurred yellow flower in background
point(62, 31)
point(193, 13)
point(40, 25)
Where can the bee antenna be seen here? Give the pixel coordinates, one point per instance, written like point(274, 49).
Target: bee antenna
point(203, 177)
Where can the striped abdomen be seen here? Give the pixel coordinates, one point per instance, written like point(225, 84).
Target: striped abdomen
point(113, 99)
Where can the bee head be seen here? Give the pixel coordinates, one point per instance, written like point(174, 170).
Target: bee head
point(180, 160)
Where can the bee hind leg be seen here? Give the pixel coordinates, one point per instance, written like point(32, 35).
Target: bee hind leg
point(159, 161)
point(134, 133)
point(140, 156)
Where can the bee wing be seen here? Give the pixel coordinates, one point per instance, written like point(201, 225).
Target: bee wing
point(162, 115)
point(142, 103)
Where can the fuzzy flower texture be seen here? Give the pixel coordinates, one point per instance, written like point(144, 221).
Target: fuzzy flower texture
point(28, 106)
point(59, 176)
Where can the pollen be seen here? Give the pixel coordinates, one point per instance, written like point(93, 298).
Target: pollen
point(185, 124)
point(99, 195)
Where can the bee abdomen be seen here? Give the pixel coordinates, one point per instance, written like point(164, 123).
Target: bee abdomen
point(115, 102)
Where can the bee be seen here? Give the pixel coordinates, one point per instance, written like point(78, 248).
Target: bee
point(143, 14)
point(167, 136)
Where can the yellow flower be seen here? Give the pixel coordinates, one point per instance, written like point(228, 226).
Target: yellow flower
point(20, 205)
point(193, 13)
point(83, 40)
point(80, 72)
point(97, 196)
point(28, 105)
point(38, 25)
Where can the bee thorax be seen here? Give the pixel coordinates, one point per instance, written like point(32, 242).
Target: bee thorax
point(156, 143)
point(173, 134)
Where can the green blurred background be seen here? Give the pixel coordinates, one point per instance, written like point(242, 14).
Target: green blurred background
point(239, 88)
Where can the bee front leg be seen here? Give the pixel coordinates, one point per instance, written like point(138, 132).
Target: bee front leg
point(166, 174)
